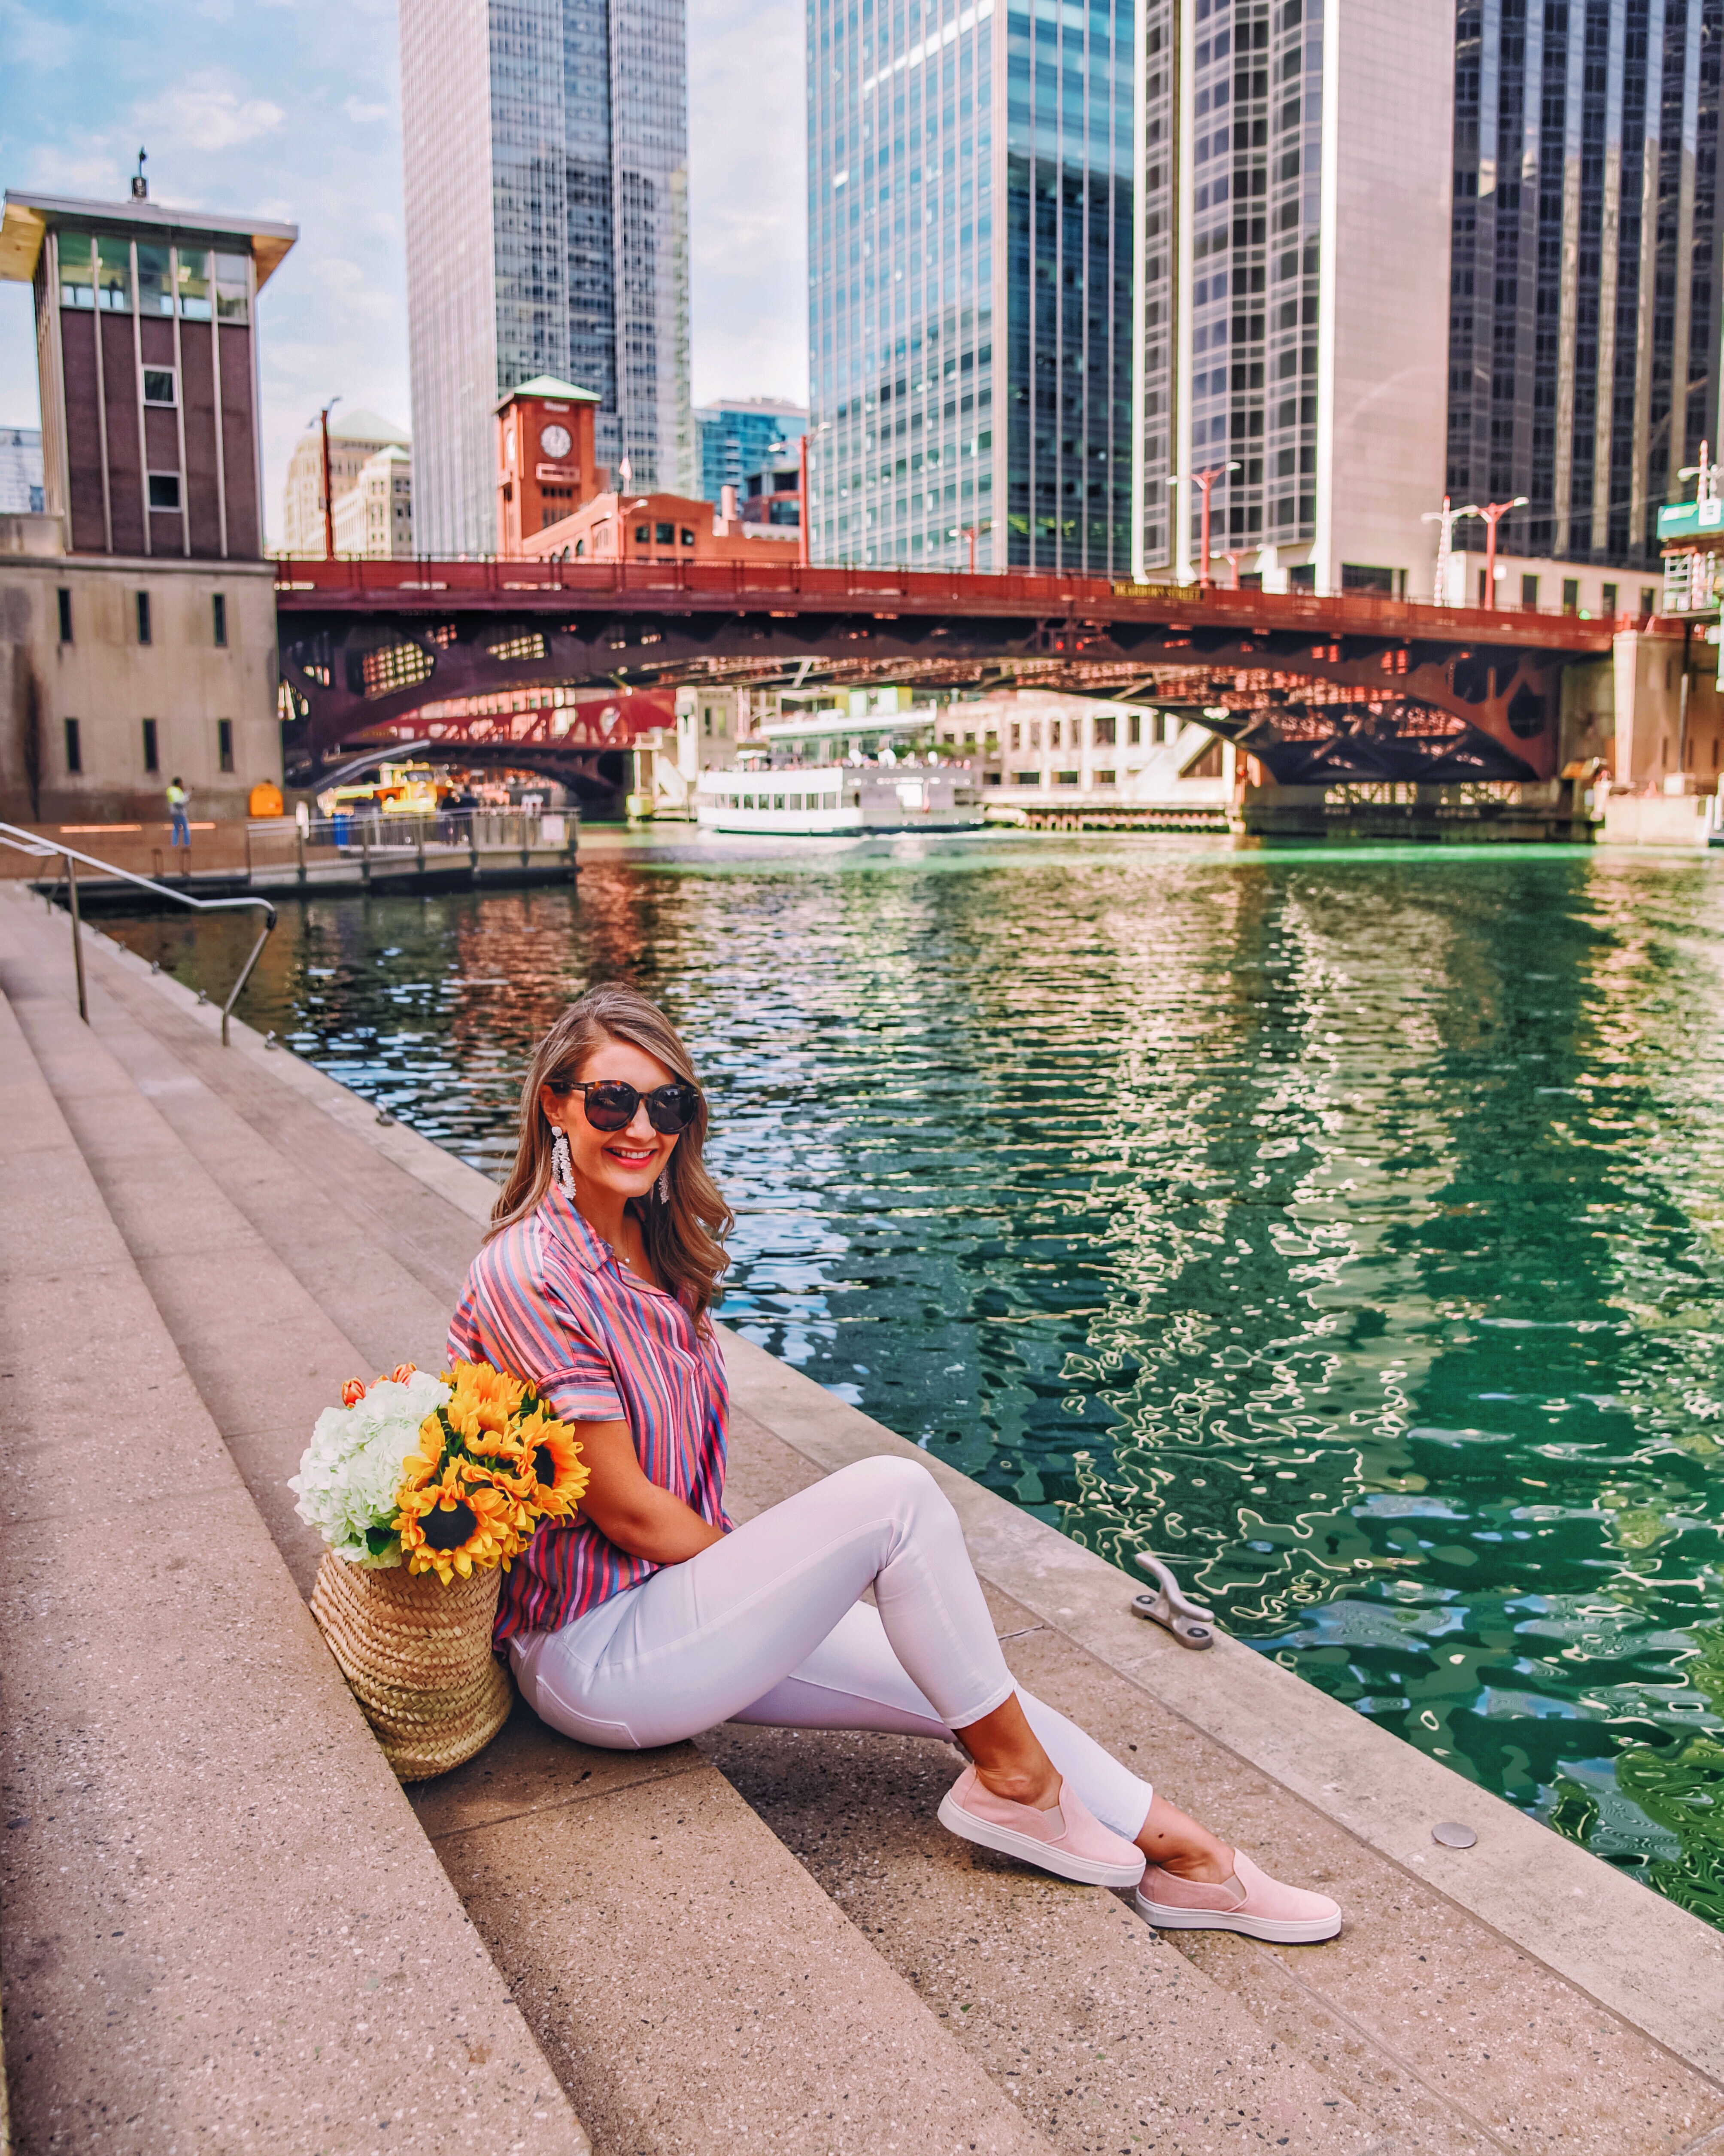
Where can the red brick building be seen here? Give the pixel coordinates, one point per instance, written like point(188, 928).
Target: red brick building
point(662, 527)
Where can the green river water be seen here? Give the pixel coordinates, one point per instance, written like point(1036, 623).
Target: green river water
point(1345, 1226)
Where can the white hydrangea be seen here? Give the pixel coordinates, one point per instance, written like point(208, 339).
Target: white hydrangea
point(352, 1469)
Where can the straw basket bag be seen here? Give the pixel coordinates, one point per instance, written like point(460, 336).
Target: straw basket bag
point(417, 1657)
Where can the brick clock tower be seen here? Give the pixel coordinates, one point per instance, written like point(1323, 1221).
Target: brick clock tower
point(546, 467)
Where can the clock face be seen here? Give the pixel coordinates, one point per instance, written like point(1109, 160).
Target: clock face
point(556, 441)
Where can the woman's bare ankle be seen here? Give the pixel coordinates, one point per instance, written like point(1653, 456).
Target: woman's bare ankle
point(1020, 1785)
point(1203, 1867)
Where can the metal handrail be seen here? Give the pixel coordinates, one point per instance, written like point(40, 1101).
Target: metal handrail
point(32, 842)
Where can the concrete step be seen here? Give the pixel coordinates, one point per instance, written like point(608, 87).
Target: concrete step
point(689, 1981)
point(218, 1920)
point(1423, 2028)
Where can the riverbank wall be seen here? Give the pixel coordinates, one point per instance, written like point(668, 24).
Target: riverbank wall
point(220, 1916)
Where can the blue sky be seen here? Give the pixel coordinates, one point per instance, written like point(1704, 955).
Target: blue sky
point(290, 108)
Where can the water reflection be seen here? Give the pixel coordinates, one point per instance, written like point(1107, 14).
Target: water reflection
point(1346, 1228)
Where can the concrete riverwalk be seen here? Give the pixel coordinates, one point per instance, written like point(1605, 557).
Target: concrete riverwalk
point(222, 1924)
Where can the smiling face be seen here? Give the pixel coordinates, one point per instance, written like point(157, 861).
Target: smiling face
point(626, 1163)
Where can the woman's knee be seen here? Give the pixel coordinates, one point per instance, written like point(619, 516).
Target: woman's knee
point(890, 1480)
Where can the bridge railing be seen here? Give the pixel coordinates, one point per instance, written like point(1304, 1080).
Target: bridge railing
point(424, 585)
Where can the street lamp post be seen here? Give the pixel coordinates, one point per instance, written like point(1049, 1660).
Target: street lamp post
point(1206, 480)
point(1446, 519)
point(802, 486)
point(329, 505)
point(1493, 513)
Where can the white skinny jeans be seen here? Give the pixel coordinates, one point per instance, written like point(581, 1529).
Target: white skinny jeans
point(765, 1626)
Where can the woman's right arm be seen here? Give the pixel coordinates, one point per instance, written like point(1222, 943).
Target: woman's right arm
point(628, 1509)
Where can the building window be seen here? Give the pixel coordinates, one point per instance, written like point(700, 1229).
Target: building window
point(218, 619)
point(1648, 599)
point(665, 535)
point(152, 760)
point(224, 744)
point(1026, 778)
point(1105, 726)
point(233, 288)
point(164, 490)
point(642, 535)
point(1529, 594)
point(65, 597)
point(77, 270)
point(74, 747)
point(1607, 598)
point(1134, 731)
point(1570, 595)
point(1065, 778)
point(159, 385)
point(144, 620)
point(1103, 778)
point(688, 537)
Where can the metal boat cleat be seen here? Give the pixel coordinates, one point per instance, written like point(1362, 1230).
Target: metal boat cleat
point(1190, 1625)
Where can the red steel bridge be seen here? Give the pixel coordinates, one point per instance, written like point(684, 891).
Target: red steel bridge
point(557, 665)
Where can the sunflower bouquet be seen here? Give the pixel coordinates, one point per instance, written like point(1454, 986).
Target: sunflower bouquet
point(425, 1488)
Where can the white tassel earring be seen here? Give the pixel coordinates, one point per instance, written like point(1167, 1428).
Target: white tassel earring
point(664, 1186)
point(562, 1166)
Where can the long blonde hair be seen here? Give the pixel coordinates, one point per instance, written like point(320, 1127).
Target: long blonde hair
point(684, 1239)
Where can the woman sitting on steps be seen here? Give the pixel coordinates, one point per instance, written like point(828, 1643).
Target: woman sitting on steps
point(652, 1618)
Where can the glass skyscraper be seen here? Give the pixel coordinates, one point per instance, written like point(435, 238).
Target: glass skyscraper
point(971, 263)
point(738, 439)
point(545, 150)
point(1584, 340)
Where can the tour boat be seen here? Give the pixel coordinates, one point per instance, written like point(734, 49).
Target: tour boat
point(839, 799)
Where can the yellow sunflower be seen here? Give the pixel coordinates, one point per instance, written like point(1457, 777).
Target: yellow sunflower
point(559, 1473)
point(424, 1463)
point(454, 1524)
point(484, 1398)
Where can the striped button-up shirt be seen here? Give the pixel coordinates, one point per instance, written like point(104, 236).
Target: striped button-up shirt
point(547, 1299)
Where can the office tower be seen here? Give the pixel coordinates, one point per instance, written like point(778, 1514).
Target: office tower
point(1583, 361)
point(354, 437)
point(970, 167)
point(1391, 250)
point(374, 516)
point(736, 437)
point(1293, 327)
point(545, 147)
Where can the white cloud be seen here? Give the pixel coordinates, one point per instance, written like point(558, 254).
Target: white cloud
point(746, 187)
point(207, 115)
point(34, 41)
point(358, 110)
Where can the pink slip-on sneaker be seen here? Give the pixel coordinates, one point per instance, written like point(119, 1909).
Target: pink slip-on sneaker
point(1250, 1901)
point(1068, 1839)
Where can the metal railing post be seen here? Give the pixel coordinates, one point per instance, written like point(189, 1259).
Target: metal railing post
point(23, 841)
point(77, 936)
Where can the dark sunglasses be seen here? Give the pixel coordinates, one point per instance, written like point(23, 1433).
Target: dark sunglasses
point(610, 1106)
